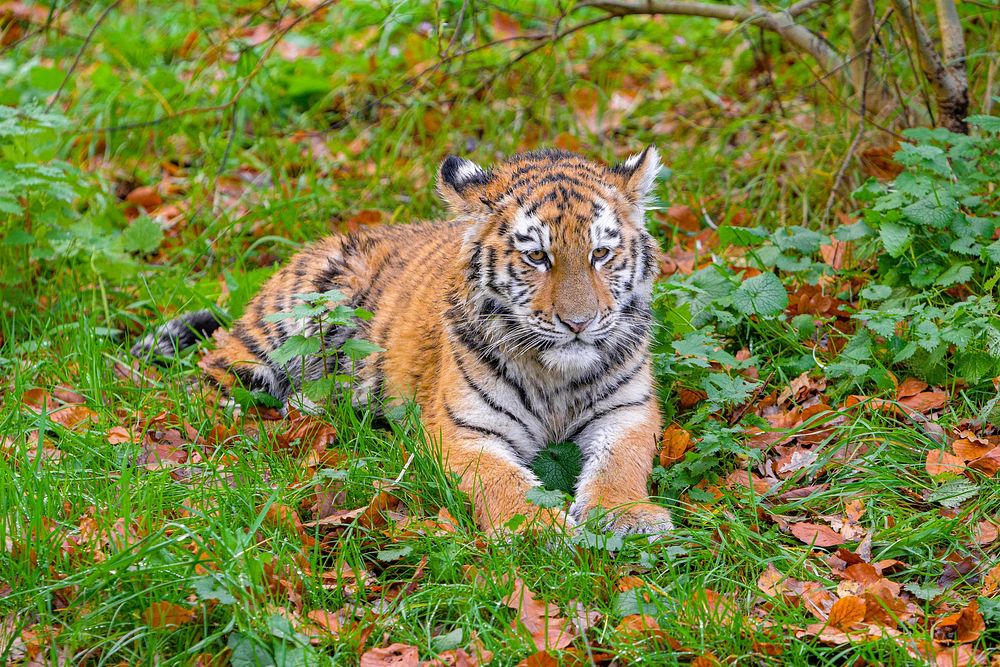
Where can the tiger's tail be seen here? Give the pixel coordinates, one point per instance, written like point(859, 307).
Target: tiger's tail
point(177, 334)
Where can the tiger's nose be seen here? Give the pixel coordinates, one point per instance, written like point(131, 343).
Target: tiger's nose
point(576, 325)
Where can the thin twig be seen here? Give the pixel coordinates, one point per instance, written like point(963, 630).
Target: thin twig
point(79, 52)
point(862, 116)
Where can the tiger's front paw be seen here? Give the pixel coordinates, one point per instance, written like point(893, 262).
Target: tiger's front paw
point(642, 518)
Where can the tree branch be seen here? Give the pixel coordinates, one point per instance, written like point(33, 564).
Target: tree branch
point(952, 93)
point(952, 42)
point(781, 23)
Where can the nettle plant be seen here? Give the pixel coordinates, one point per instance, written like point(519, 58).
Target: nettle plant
point(50, 211)
point(318, 314)
point(933, 232)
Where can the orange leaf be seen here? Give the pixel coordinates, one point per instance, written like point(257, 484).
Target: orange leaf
point(542, 620)
point(331, 621)
point(817, 534)
point(940, 463)
point(910, 387)
point(961, 628)
point(925, 401)
point(847, 611)
point(986, 532)
point(165, 614)
point(145, 196)
point(969, 450)
point(683, 217)
point(119, 434)
point(674, 445)
point(393, 655)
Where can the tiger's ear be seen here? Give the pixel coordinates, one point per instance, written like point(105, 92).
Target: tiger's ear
point(462, 183)
point(638, 173)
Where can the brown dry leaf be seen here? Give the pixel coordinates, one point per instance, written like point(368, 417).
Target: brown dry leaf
point(707, 660)
point(961, 628)
point(743, 479)
point(542, 620)
point(165, 614)
point(816, 534)
point(683, 217)
point(991, 582)
point(878, 162)
point(145, 196)
point(452, 658)
point(910, 387)
point(331, 621)
point(969, 450)
point(539, 659)
point(504, 25)
point(373, 516)
point(675, 444)
point(960, 655)
point(72, 416)
point(986, 532)
point(943, 463)
point(836, 254)
point(846, 612)
point(925, 401)
point(287, 519)
point(393, 655)
point(119, 434)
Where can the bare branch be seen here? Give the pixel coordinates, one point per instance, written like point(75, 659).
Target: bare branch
point(781, 23)
point(803, 6)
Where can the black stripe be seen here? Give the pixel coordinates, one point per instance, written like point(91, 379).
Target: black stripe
point(466, 336)
point(486, 398)
point(461, 423)
point(604, 413)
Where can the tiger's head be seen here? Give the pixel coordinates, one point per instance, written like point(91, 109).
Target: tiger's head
point(557, 260)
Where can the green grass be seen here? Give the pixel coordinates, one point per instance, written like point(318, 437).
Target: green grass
point(307, 148)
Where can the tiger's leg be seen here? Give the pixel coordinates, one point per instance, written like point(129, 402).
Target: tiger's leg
point(498, 485)
point(618, 451)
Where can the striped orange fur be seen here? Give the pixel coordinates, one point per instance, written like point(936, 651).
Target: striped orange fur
point(522, 320)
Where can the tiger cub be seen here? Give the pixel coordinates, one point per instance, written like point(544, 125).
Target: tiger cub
point(523, 320)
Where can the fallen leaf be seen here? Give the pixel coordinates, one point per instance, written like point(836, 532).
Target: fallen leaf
point(846, 612)
point(331, 621)
point(118, 435)
point(925, 401)
point(961, 628)
point(393, 655)
point(145, 196)
point(683, 217)
point(910, 387)
point(676, 442)
point(986, 532)
point(165, 614)
point(943, 463)
point(542, 620)
point(816, 534)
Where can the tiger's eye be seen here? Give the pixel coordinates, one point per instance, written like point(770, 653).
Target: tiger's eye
point(537, 256)
point(600, 253)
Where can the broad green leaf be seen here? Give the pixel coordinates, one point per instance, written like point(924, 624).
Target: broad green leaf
point(545, 498)
point(956, 274)
point(357, 348)
point(874, 292)
point(761, 295)
point(210, 588)
point(143, 236)
point(954, 493)
point(558, 466)
point(295, 347)
point(895, 238)
point(390, 555)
